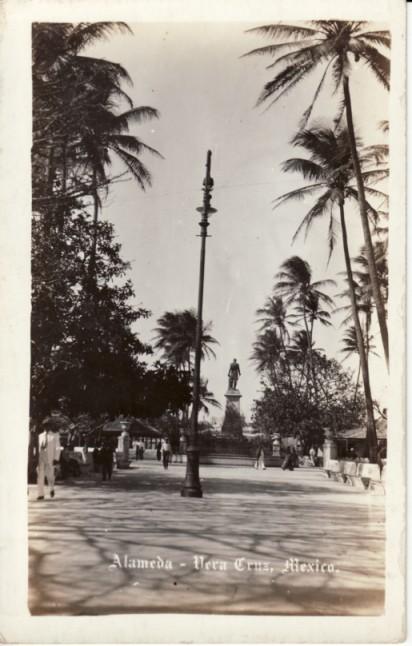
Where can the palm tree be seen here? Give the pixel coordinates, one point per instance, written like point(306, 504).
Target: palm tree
point(380, 250)
point(77, 125)
point(176, 338)
point(64, 90)
point(294, 284)
point(273, 315)
point(330, 165)
point(207, 398)
point(350, 347)
point(106, 135)
point(267, 352)
point(337, 45)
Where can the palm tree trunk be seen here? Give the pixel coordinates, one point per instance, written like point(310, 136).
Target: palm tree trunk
point(371, 431)
point(92, 263)
point(376, 291)
point(287, 363)
point(309, 374)
point(64, 186)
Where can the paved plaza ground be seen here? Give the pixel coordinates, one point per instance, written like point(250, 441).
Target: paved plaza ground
point(102, 547)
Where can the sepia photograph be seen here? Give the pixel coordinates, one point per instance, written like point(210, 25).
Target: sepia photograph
point(212, 317)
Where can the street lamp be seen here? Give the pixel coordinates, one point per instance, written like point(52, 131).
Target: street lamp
point(191, 486)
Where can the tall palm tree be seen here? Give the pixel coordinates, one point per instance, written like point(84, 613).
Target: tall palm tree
point(337, 45)
point(330, 165)
point(176, 338)
point(105, 136)
point(64, 88)
point(78, 124)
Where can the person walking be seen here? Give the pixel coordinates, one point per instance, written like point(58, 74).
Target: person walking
point(165, 452)
point(289, 461)
point(159, 451)
point(96, 459)
point(312, 454)
point(141, 449)
point(106, 461)
point(260, 458)
point(49, 454)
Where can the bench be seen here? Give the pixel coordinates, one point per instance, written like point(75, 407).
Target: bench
point(362, 475)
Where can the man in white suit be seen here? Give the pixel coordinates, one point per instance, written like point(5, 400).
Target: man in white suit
point(49, 453)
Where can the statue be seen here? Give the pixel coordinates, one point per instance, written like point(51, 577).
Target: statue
point(233, 374)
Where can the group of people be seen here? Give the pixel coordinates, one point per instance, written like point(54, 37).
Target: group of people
point(103, 457)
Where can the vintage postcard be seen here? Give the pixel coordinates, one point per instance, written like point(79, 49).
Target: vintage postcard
point(203, 346)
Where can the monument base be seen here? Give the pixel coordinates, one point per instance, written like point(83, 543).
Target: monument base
point(232, 423)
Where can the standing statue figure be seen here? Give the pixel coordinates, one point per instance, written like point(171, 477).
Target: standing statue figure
point(233, 374)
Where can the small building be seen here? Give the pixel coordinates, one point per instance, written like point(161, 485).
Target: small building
point(137, 429)
point(356, 437)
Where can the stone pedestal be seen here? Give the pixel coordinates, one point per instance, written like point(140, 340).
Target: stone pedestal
point(233, 399)
point(330, 448)
point(232, 423)
point(122, 453)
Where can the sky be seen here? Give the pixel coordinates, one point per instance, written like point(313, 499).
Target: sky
point(194, 74)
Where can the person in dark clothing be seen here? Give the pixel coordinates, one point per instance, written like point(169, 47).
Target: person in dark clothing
point(381, 455)
point(289, 461)
point(106, 461)
point(96, 460)
point(165, 452)
point(159, 451)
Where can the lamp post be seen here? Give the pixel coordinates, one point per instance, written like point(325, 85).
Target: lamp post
point(191, 486)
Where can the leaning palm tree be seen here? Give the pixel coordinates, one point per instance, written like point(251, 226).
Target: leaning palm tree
point(337, 45)
point(330, 166)
point(176, 338)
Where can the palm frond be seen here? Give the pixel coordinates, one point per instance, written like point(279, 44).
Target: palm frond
point(331, 235)
point(135, 166)
point(84, 33)
point(132, 144)
point(307, 114)
point(283, 82)
point(272, 50)
point(378, 37)
point(279, 30)
point(378, 63)
point(300, 55)
point(297, 194)
point(143, 113)
point(316, 211)
point(309, 169)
